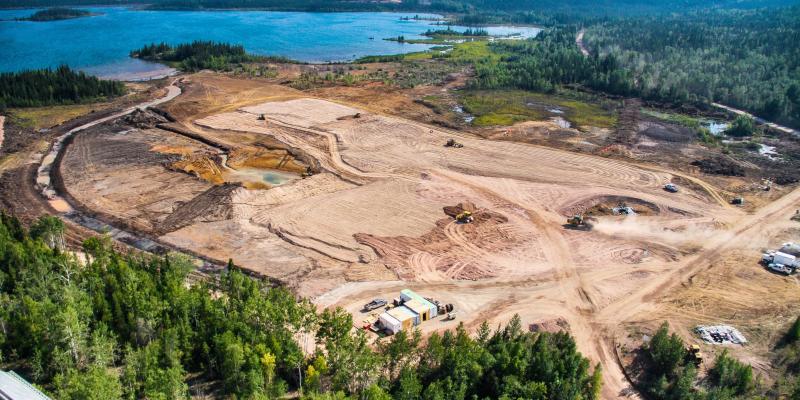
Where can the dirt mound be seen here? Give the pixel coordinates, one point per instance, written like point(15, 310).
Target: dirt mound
point(212, 205)
point(203, 166)
point(144, 119)
point(453, 211)
point(719, 166)
point(549, 325)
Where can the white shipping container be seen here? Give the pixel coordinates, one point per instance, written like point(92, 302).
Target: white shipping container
point(785, 259)
point(390, 323)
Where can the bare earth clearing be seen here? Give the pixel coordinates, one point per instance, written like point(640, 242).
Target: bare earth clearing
point(369, 219)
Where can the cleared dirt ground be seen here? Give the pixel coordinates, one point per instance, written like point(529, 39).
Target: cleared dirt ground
point(370, 218)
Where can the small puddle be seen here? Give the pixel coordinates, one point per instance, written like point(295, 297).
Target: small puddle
point(768, 151)
point(716, 128)
point(272, 177)
point(468, 118)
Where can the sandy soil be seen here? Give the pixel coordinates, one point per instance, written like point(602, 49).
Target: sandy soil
point(370, 221)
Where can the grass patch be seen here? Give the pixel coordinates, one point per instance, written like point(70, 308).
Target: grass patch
point(46, 117)
point(507, 107)
point(472, 52)
point(587, 114)
point(679, 119)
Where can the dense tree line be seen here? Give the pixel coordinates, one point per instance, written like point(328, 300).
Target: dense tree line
point(669, 374)
point(56, 13)
point(744, 59)
point(199, 55)
point(549, 60)
point(48, 87)
point(129, 326)
point(451, 32)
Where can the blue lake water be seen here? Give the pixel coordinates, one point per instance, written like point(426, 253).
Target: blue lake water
point(100, 44)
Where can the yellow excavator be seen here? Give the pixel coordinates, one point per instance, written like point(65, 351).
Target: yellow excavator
point(578, 221)
point(464, 217)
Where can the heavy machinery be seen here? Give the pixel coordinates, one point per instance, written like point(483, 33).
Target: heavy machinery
point(694, 355)
point(780, 262)
point(738, 201)
point(452, 143)
point(464, 217)
point(578, 221)
point(671, 187)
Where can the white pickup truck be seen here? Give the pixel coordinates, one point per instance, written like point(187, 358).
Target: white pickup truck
point(780, 262)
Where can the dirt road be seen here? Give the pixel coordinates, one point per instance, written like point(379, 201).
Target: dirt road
point(43, 176)
point(772, 125)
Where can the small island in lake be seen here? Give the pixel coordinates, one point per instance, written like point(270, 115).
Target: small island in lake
point(56, 14)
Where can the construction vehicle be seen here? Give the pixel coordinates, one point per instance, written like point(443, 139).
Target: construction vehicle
point(464, 217)
point(261, 117)
point(780, 262)
point(738, 201)
point(578, 221)
point(374, 304)
point(694, 355)
point(452, 143)
point(671, 187)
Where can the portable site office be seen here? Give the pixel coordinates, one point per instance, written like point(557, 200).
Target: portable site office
point(406, 317)
point(408, 295)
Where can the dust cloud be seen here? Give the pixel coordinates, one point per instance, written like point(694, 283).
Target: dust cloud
point(688, 233)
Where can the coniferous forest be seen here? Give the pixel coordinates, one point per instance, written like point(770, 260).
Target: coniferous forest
point(199, 55)
point(115, 326)
point(744, 59)
point(46, 87)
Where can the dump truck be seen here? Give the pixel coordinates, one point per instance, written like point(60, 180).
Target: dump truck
point(578, 221)
point(694, 355)
point(464, 217)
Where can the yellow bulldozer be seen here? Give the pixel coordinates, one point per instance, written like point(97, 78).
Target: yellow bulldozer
point(694, 355)
point(464, 217)
point(578, 221)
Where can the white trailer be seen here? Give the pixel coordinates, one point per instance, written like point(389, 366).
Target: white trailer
point(780, 262)
point(390, 323)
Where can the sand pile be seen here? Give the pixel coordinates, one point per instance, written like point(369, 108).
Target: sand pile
point(144, 119)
